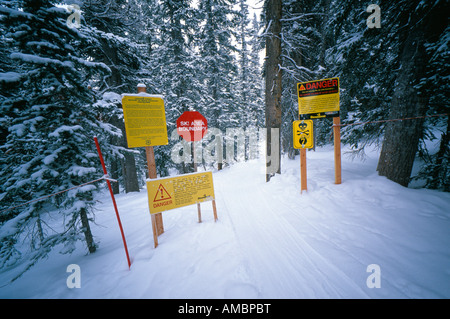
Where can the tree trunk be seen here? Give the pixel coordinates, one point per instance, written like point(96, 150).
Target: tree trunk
point(401, 138)
point(87, 231)
point(130, 178)
point(115, 174)
point(273, 87)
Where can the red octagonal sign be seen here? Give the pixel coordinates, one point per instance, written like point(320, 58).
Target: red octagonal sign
point(192, 126)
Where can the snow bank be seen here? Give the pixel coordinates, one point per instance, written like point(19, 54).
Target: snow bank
point(10, 77)
point(270, 241)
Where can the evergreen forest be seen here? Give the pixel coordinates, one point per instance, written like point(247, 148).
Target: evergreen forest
point(65, 64)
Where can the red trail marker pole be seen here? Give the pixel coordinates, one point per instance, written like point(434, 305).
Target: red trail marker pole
point(113, 200)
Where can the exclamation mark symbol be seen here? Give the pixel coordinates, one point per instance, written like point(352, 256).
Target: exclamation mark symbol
point(162, 195)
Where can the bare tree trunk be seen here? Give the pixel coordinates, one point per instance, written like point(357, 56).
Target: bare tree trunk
point(273, 87)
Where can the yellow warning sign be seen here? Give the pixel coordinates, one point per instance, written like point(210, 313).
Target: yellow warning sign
point(303, 134)
point(145, 120)
point(317, 98)
point(173, 192)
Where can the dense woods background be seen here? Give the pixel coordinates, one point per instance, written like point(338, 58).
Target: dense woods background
point(60, 86)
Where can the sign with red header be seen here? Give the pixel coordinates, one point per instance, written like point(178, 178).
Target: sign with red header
point(192, 126)
point(317, 99)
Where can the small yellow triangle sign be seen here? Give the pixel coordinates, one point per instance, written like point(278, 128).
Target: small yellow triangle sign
point(302, 87)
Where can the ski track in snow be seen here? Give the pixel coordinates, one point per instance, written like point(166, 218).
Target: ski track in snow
point(281, 261)
point(270, 241)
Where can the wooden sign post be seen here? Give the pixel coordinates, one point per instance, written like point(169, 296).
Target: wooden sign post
point(145, 126)
point(320, 99)
point(303, 138)
point(192, 126)
point(337, 149)
point(199, 209)
point(303, 178)
point(157, 221)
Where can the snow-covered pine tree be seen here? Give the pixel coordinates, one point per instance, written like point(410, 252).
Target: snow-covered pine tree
point(117, 27)
point(372, 64)
point(419, 25)
point(242, 85)
point(146, 32)
point(48, 133)
point(302, 61)
point(219, 69)
point(218, 66)
point(436, 168)
point(256, 85)
point(248, 94)
point(174, 68)
point(362, 57)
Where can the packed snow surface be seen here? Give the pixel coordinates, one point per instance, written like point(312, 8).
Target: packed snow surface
point(270, 241)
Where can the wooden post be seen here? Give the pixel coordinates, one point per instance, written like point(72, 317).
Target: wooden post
point(157, 222)
point(199, 210)
point(193, 156)
point(337, 149)
point(303, 183)
point(151, 165)
point(214, 209)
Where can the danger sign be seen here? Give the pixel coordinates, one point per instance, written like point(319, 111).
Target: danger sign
point(318, 98)
point(161, 194)
point(174, 192)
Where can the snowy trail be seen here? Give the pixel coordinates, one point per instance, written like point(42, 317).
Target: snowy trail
point(270, 241)
point(283, 264)
point(319, 244)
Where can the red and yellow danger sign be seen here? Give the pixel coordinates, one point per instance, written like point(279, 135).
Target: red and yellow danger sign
point(169, 193)
point(317, 98)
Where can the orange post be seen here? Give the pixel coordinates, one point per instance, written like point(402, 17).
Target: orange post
point(303, 185)
point(337, 150)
